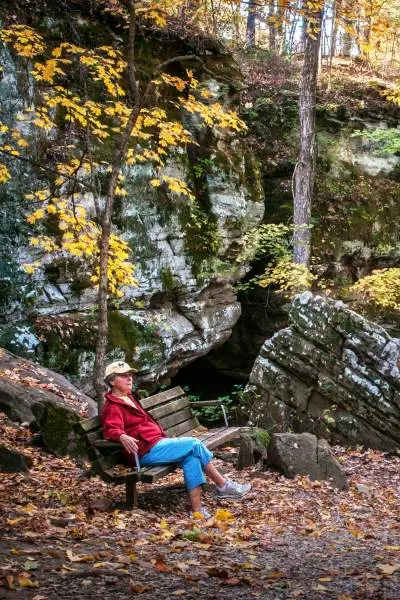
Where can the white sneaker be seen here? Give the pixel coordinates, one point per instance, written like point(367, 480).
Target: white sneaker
point(203, 512)
point(233, 490)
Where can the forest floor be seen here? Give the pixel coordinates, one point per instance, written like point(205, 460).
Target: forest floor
point(62, 537)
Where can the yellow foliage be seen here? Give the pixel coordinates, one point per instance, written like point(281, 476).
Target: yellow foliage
point(381, 288)
point(4, 174)
point(289, 277)
point(96, 120)
point(25, 40)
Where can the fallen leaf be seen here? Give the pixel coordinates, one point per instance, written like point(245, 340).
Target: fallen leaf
point(232, 581)
point(320, 588)
point(79, 557)
point(217, 572)
point(10, 582)
point(14, 522)
point(224, 515)
point(24, 581)
point(389, 569)
point(138, 588)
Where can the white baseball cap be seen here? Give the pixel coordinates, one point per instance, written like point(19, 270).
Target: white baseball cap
point(118, 367)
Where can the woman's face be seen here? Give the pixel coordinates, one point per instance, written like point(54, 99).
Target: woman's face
point(122, 383)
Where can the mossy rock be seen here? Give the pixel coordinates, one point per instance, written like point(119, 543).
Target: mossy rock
point(57, 426)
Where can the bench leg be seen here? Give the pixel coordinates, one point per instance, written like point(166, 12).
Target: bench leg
point(131, 494)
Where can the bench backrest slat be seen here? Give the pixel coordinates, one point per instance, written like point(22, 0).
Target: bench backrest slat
point(93, 436)
point(178, 417)
point(162, 398)
point(89, 424)
point(169, 408)
point(182, 428)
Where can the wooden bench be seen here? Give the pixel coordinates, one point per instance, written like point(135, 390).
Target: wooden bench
point(173, 410)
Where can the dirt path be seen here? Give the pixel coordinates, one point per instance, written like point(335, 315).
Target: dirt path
point(62, 538)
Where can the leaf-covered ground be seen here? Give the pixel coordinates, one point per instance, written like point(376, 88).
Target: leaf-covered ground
point(62, 537)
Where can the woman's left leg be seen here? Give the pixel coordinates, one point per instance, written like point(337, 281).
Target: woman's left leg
point(192, 456)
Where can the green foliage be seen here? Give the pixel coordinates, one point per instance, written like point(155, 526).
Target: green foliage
point(273, 241)
point(385, 142)
point(168, 279)
point(213, 414)
point(203, 166)
point(270, 238)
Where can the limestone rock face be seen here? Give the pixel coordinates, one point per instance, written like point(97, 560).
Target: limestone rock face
point(302, 453)
point(184, 252)
point(332, 373)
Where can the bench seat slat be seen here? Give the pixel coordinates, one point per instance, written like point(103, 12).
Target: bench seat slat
point(221, 437)
point(154, 473)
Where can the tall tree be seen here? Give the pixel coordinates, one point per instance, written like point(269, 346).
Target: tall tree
point(304, 171)
point(251, 25)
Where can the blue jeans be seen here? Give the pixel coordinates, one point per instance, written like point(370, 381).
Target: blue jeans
point(188, 452)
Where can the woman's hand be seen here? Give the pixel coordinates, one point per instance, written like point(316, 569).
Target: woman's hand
point(129, 443)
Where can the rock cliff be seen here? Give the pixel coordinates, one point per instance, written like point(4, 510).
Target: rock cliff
point(332, 373)
point(184, 304)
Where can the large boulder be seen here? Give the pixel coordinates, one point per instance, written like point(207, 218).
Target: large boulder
point(30, 393)
point(24, 383)
point(304, 454)
point(12, 461)
point(332, 373)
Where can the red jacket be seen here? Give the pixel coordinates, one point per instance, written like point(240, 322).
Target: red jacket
point(118, 417)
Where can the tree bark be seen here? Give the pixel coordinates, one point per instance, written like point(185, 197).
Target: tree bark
point(251, 25)
point(304, 171)
point(271, 26)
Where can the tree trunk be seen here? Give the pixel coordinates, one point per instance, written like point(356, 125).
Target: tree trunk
point(304, 171)
point(121, 148)
point(251, 26)
point(271, 27)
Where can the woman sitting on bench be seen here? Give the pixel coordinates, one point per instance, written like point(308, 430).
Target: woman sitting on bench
point(124, 420)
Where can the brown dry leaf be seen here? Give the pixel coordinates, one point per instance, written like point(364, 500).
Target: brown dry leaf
point(10, 582)
point(392, 548)
point(217, 572)
point(389, 569)
point(232, 581)
point(178, 593)
point(320, 588)
point(162, 567)
point(138, 588)
point(79, 557)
